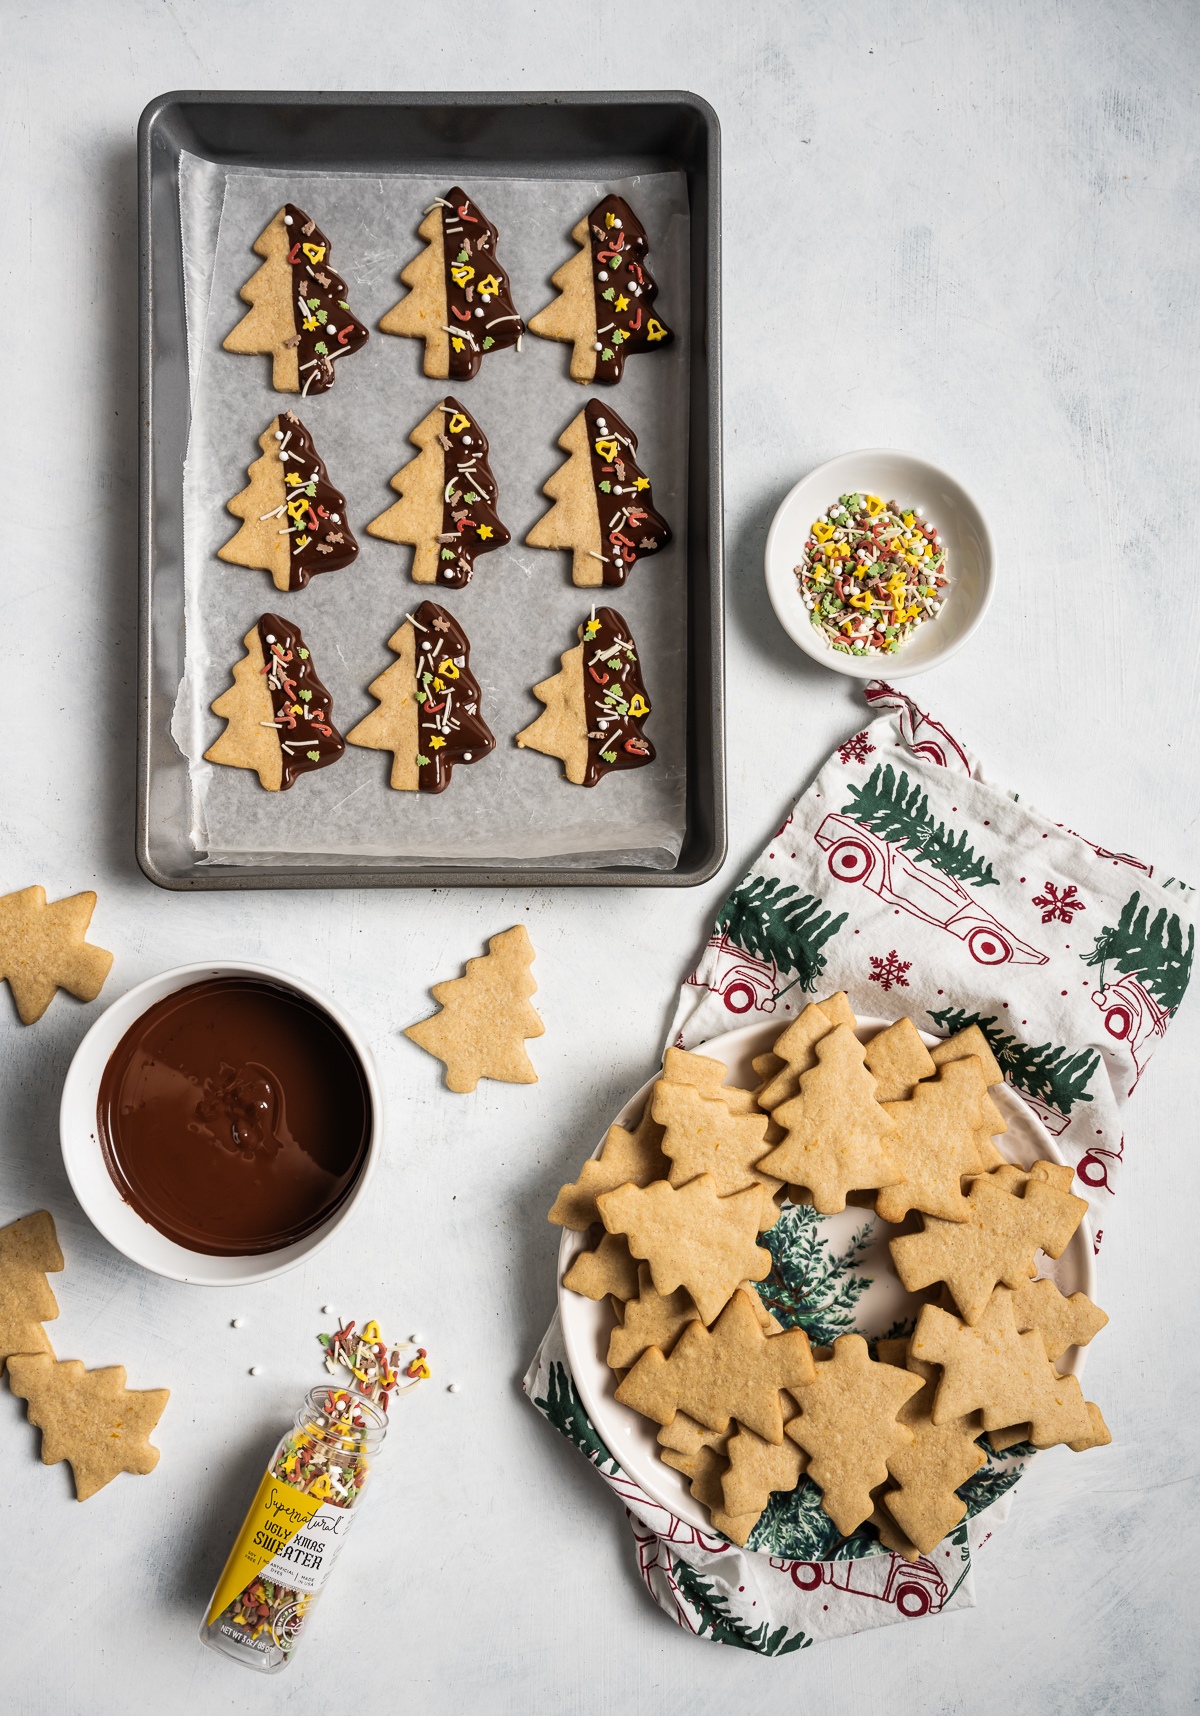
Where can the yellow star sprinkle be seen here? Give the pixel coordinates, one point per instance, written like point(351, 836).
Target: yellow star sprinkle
point(485, 530)
point(642, 483)
point(622, 303)
point(436, 744)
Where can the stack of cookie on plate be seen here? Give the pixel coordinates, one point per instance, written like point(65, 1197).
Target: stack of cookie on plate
point(889, 1431)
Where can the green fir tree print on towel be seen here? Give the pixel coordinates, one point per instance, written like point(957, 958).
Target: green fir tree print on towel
point(808, 1288)
point(769, 923)
point(795, 1526)
point(1154, 953)
point(566, 1412)
point(719, 1621)
point(1047, 1071)
point(891, 807)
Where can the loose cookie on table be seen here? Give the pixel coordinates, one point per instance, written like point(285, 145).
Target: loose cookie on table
point(42, 948)
point(998, 1242)
point(606, 296)
point(88, 1417)
point(691, 1237)
point(460, 298)
point(295, 520)
point(838, 1136)
point(848, 1426)
point(596, 706)
point(29, 1250)
point(279, 714)
point(447, 510)
point(992, 1369)
point(714, 1375)
point(485, 1017)
point(300, 317)
point(429, 704)
point(604, 505)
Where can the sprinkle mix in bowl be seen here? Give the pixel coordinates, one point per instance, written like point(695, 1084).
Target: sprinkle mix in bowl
point(871, 574)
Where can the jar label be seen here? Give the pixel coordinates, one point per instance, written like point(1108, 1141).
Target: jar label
point(288, 1537)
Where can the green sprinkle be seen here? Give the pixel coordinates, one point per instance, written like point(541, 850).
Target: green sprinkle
point(314, 303)
point(422, 760)
point(609, 295)
point(605, 488)
point(342, 304)
point(313, 756)
point(306, 696)
point(488, 342)
point(606, 355)
point(321, 348)
point(618, 337)
point(447, 554)
point(303, 654)
point(609, 756)
point(471, 498)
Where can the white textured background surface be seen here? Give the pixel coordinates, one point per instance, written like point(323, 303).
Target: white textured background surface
point(966, 230)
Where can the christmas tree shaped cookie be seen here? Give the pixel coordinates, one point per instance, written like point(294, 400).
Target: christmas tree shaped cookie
point(28, 1250)
point(300, 313)
point(278, 712)
point(848, 1426)
point(626, 1158)
point(485, 1016)
point(88, 1417)
point(934, 1143)
point(42, 948)
point(447, 509)
point(603, 503)
point(606, 296)
point(429, 700)
point(837, 1134)
point(596, 706)
point(460, 300)
point(930, 1469)
point(295, 520)
point(691, 1237)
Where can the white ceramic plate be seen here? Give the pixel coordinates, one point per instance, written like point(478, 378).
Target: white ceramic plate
point(588, 1323)
point(910, 481)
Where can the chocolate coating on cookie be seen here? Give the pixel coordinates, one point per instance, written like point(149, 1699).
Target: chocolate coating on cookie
point(614, 698)
point(450, 728)
point(302, 706)
point(470, 523)
point(629, 526)
point(324, 326)
point(481, 315)
point(319, 539)
point(625, 289)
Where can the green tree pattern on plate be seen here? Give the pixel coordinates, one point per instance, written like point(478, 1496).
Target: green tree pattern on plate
point(891, 807)
point(1152, 952)
point(795, 1526)
point(769, 923)
point(1047, 1071)
point(808, 1288)
point(565, 1411)
point(718, 1620)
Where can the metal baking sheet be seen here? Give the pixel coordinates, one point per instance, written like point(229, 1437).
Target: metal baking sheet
point(588, 136)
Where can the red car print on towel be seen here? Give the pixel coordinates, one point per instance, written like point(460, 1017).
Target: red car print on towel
point(858, 855)
point(924, 736)
point(1054, 1122)
point(741, 981)
point(1093, 1171)
point(1134, 1018)
point(914, 1587)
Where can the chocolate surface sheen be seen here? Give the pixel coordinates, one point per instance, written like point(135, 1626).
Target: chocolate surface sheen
point(320, 540)
point(629, 526)
point(234, 1117)
point(614, 698)
point(470, 522)
point(450, 728)
point(324, 326)
point(479, 304)
point(625, 289)
point(301, 705)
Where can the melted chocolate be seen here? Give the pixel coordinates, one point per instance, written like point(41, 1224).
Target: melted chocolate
point(320, 540)
point(614, 699)
point(629, 526)
point(449, 726)
point(234, 1117)
point(470, 524)
point(480, 310)
point(301, 704)
point(625, 290)
point(325, 329)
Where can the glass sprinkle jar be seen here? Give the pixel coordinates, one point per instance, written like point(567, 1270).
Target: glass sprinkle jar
point(295, 1529)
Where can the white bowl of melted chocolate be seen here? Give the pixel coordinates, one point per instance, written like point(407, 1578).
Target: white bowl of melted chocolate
point(220, 1121)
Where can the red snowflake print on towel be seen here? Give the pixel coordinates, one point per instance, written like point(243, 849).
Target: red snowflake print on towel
point(856, 750)
point(890, 971)
point(1059, 906)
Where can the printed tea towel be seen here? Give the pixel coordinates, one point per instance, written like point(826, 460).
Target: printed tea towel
point(906, 878)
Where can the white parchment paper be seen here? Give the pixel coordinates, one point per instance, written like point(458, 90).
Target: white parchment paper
point(520, 610)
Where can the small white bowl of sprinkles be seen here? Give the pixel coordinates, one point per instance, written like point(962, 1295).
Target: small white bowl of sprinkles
point(879, 565)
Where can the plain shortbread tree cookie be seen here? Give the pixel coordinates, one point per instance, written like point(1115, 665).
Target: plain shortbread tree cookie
point(485, 1017)
point(42, 948)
